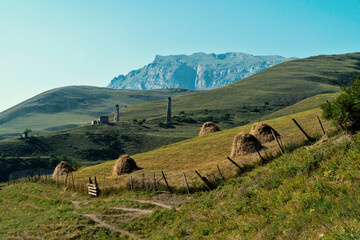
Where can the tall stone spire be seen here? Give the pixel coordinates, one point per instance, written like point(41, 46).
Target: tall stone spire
point(168, 112)
point(116, 113)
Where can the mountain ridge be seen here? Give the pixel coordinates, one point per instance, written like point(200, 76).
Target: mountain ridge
point(195, 71)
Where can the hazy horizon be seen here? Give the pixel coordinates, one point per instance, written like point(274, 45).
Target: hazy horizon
point(45, 45)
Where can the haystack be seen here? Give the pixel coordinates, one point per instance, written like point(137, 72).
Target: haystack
point(243, 144)
point(262, 132)
point(62, 168)
point(208, 127)
point(125, 164)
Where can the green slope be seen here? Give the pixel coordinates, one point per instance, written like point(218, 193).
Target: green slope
point(303, 105)
point(70, 106)
point(300, 195)
point(279, 86)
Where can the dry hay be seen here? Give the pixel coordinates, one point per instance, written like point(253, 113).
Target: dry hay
point(262, 132)
point(125, 164)
point(243, 144)
point(207, 128)
point(62, 168)
point(324, 139)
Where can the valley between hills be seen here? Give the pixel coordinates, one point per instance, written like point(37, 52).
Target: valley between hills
point(310, 191)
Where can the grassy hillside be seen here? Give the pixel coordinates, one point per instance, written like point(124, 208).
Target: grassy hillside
point(304, 194)
point(271, 89)
point(205, 152)
point(306, 104)
point(67, 107)
point(89, 145)
point(245, 100)
point(235, 105)
point(86, 145)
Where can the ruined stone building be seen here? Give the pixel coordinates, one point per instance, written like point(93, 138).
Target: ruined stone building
point(101, 119)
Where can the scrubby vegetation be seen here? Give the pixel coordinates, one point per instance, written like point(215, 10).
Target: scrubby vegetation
point(305, 194)
point(302, 195)
point(345, 110)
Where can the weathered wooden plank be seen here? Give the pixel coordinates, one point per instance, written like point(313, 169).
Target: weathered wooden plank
point(322, 127)
point(277, 141)
point(168, 187)
point(232, 161)
point(92, 188)
point(302, 130)
point(205, 180)
point(186, 183)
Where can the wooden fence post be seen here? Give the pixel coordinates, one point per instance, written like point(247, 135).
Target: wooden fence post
point(302, 130)
point(95, 181)
point(186, 183)
point(65, 180)
point(143, 181)
point(131, 183)
point(277, 141)
point(322, 128)
point(205, 180)
point(72, 178)
point(241, 169)
point(155, 182)
point(215, 179)
point(166, 182)
point(261, 158)
point(218, 168)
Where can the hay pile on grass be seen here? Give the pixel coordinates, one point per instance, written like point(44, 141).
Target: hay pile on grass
point(62, 168)
point(125, 164)
point(262, 132)
point(243, 144)
point(207, 128)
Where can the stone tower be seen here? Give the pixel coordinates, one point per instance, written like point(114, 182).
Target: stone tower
point(168, 112)
point(116, 113)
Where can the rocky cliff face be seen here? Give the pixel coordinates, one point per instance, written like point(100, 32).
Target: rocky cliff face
point(196, 71)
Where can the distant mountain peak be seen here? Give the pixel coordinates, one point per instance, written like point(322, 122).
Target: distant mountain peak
point(196, 71)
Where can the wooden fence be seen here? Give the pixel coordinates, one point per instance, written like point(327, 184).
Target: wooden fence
point(158, 180)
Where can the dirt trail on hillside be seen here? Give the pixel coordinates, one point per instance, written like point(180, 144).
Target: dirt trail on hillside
point(95, 218)
point(157, 204)
point(130, 213)
point(76, 205)
point(135, 211)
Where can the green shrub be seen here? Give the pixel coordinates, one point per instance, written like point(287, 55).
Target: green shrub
point(345, 110)
point(164, 125)
point(183, 119)
point(224, 117)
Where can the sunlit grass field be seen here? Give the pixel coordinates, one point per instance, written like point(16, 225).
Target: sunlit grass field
point(206, 152)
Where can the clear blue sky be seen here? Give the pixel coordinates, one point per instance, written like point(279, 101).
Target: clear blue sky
point(48, 44)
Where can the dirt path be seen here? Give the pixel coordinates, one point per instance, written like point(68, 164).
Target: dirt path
point(76, 205)
point(130, 213)
point(157, 204)
point(95, 218)
point(134, 212)
point(137, 211)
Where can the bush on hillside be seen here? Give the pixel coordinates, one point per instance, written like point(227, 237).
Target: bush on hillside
point(208, 118)
point(165, 125)
point(345, 110)
point(184, 119)
point(224, 117)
